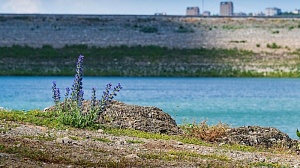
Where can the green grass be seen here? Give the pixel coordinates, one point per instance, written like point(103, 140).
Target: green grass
point(268, 165)
point(273, 46)
point(102, 140)
point(184, 29)
point(40, 137)
point(149, 30)
point(275, 32)
point(76, 138)
point(115, 61)
point(46, 156)
point(36, 117)
point(182, 155)
point(134, 141)
point(236, 41)
point(148, 135)
point(138, 61)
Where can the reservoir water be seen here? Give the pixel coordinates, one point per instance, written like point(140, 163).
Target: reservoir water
point(235, 101)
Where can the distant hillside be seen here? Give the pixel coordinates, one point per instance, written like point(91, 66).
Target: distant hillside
point(150, 45)
point(255, 34)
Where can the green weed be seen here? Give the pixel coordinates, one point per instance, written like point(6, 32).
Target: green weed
point(149, 30)
point(37, 117)
point(134, 141)
point(273, 46)
point(102, 140)
point(182, 29)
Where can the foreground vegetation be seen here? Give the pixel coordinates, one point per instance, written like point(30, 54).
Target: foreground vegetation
point(147, 61)
point(29, 148)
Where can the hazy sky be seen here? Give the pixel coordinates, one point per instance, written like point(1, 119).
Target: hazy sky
point(147, 7)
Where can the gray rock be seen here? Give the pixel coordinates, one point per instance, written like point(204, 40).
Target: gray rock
point(267, 137)
point(149, 119)
point(3, 155)
point(64, 140)
point(132, 156)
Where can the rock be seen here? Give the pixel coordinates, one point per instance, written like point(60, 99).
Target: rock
point(3, 155)
point(65, 140)
point(132, 156)
point(149, 119)
point(100, 131)
point(266, 137)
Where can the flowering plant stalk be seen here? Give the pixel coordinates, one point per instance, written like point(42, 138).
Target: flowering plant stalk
point(71, 111)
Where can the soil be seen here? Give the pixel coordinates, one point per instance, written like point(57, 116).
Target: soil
point(37, 146)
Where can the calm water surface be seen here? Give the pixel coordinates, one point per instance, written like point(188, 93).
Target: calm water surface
point(236, 101)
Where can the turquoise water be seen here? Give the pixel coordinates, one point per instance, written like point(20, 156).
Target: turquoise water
point(236, 101)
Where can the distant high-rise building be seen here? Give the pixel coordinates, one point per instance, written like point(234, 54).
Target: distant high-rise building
point(192, 11)
point(206, 13)
point(226, 8)
point(296, 11)
point(272, 11)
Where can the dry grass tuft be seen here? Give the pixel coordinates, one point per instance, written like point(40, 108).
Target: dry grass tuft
point(205, 132)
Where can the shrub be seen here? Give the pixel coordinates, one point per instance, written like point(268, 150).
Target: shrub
point(149, 30)
point(206, 132)
point(182, 29)
point(71, 111)
point(275, 32)
point(235, 41)
point(273, 46)
point(291, 27)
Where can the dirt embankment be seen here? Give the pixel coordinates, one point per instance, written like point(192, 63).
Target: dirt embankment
point(166, 31)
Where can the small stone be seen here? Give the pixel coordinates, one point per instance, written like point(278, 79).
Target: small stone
point(262, 160)
point(100, 131)
point(64, 140)
point(121, 142)
point(3, 155)
point(132, 156)
point(221, 144)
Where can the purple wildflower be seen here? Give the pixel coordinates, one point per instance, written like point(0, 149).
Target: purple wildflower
point(56, 93)
point(93, 98)
point(67, 92)
point(77, 84)
point(105, 96)
point(114, 93)
point(80, 98)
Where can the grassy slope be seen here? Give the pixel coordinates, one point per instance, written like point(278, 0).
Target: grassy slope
point(134, 61)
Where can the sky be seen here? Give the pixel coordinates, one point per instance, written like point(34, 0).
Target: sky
point(138, 7)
